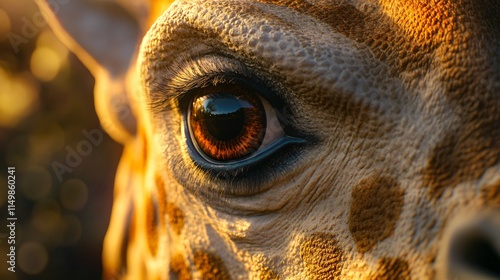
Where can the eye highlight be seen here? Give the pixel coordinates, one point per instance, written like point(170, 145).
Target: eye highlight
point(228, 122)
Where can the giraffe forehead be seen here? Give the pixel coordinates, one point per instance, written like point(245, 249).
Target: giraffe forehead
point(272, 39)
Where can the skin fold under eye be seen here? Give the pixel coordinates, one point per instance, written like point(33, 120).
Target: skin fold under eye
point(230, 123)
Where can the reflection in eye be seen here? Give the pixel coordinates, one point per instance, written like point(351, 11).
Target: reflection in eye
point(230, 122)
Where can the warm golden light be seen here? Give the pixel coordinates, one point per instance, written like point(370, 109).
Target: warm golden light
point(46, 217)
point(33, 258)
point(37, 183)
point(73, 194)
point(45, 63)
point(18, 96)
point(71, 229)
point(49, 40)
point(48, 57)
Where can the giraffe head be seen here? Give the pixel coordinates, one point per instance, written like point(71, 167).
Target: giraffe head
point(284, 139)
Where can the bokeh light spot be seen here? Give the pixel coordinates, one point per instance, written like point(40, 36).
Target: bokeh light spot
point(48, 40)
point(74, 194)
point(48, 57)
point(46, 216)
point(47, 140)
point(71, 230)
point(33, 258)
point(35, 183)
point(45, 64)
point(18, 98)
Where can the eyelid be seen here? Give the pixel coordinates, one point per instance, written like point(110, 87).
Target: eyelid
point(191, 73)
point(188, 74)
point(209, 164)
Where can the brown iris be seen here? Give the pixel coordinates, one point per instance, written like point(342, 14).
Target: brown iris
point(228, 122)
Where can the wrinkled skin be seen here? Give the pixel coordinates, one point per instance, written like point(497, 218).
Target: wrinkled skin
point(396, 176)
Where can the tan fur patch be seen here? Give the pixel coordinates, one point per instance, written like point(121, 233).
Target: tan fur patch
point(322, 256)
point(210, 266)
point(461, 156)
point(162, 198)
point(491, 194)
point(392, 269)
point(179, 266)
point(263, 268)
point(376, 205)
point(176, 218)
point(123, 250)
point(152, 226)
point(268, 274)
point(132, 225)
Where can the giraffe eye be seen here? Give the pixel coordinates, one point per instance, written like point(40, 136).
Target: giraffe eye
point(228, 123)
point(232, 123)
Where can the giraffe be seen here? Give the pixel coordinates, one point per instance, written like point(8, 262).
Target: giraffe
point(287, 139)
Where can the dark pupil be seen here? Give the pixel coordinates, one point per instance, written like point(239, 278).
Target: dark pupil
point(224, 116)
point(226, 125)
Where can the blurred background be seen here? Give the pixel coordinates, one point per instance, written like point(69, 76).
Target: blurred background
point(45, 103)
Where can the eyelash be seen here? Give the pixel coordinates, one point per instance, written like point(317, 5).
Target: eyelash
point(201, 71)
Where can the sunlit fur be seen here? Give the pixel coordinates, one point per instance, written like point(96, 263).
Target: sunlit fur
point(398, 102)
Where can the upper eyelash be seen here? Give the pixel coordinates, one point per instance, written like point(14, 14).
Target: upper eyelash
point(191, 74)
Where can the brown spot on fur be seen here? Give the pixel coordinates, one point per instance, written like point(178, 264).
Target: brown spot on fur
point(179, 266)
point(210, 266)
point(392, 269)
point(376, 205)
point(491, 194)
point(346, 20)
point(132, 225)
point(176, 218)
point(386, 40)
point(431, 260)
point(469, 78)
point(162, 198)
point(152, 226)
point(462, 155)
point(322, 256)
